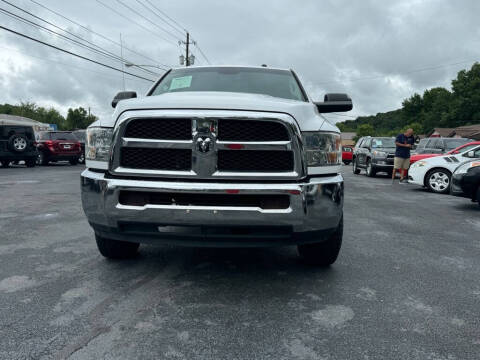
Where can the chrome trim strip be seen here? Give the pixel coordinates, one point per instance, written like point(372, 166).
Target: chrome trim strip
point(258, 145)
point(157, 144)
point(211, 208)
point(231, 174)
point(150, 172)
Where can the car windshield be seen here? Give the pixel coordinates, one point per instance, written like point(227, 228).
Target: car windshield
point(451, 144)
point(276, 83)
point(61, 136)
point(383, 143)
point(468, 148)
point(80, 135)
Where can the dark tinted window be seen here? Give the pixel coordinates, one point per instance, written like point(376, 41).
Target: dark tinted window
point(61, 136)
point(451, 144)
point(277, 83)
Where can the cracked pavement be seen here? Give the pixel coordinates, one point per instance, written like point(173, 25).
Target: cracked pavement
point(406, 284)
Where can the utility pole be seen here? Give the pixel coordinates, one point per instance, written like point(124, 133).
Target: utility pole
point(189, 59)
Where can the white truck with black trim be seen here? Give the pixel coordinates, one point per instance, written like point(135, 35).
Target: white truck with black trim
point(217, 156)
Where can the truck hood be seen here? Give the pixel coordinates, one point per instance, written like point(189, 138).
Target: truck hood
point(305, 113)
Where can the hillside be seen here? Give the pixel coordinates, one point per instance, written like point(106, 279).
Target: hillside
point(437, 107)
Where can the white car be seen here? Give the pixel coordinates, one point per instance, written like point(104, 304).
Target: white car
point(435, 173)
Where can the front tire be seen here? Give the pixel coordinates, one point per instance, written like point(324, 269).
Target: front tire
point(370, 171)
point(114, 249)
point(356, 170)
point(324, 253)
point(42, 159)
point(438, 181)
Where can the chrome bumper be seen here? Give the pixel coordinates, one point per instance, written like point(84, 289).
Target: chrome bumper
point(315, 206)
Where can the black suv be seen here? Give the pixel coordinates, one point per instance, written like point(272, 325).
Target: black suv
point(374, 154)
point(17, 143)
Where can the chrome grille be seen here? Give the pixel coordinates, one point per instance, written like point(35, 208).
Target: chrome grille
point(217, 145)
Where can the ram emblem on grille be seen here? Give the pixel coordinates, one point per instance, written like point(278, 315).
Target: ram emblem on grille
point(204, 144)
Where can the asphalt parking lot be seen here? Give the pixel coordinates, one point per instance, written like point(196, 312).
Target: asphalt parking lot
point(406, 284)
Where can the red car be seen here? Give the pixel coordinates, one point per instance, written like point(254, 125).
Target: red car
point(461, 148)
point(347, 154)
point(58, 146)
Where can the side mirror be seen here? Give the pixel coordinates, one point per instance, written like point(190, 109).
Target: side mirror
point(470, 154)
point(123, 95)
point(335, 103)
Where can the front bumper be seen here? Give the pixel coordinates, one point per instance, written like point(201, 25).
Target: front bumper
point(316, 208)
point(416, 176)
point(384, 164)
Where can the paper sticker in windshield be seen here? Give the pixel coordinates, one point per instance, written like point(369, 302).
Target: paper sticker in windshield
point(377, 143)
point(181, 82)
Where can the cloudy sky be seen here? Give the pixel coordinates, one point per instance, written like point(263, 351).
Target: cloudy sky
point(379, 52)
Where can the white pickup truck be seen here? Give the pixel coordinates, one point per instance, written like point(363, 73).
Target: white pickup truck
point(217, 156)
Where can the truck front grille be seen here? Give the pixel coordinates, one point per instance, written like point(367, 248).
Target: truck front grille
point(214, 145)
point(156, 159)
point(251, 130)
point(166, 129)
point(255, 161)
point(266, 202)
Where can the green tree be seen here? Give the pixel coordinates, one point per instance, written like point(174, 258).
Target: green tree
point(364, 130)
point(79, 118)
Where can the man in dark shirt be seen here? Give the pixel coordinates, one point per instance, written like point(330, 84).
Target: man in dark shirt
point(404, 143)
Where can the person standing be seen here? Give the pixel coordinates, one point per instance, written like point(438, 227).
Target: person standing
point(404, 142)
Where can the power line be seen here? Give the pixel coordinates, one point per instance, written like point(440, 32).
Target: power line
point(72, 53)
point(96, 33)
point(404, 73)
point(136, 23)
point(147, 19)
point(168, 17)
point(31, 23)
point(201, 52)
point(160, 17)
point(64, 64)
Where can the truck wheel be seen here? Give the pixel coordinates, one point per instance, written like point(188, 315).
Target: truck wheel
point(18, 143)
point(370, 172)
point(438, 181)
point(356, 170)
point(324, 253)
point(114, 249)
point(81, 159)
point(30, 163)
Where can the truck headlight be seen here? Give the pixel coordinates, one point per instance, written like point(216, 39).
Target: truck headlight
point(380, 154)
point(97, 150)
point(322, 149)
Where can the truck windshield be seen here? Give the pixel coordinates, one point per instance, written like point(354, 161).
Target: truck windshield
point(277, 83)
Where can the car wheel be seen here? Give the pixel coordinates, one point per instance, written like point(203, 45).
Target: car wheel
point(356, 170)
point(370, 171)
point(42, 159)
point(438, 181)
point(18, 143)
point(73, 161)
point(114, 249)
point(324, 253)
point(81, 159)
point(30, 163)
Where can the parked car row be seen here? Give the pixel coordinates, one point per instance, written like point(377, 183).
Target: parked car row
point(455, 171)
point(20, 143)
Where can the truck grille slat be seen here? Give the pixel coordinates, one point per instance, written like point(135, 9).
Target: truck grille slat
point(258, 161)
point(157, 159)
point(165, 129)
point(248, 130)
point(267, 202)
